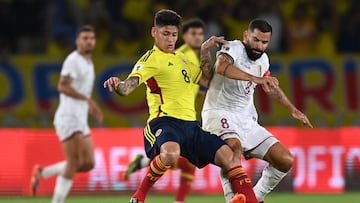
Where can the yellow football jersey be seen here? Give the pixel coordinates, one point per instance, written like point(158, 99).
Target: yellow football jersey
point(190, 53)
point(194, 58)
point(170, 80)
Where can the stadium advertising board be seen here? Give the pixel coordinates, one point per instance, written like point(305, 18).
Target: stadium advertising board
point(326, 161)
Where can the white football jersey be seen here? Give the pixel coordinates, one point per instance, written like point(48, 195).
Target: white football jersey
point(236, 96)
point(81, 70)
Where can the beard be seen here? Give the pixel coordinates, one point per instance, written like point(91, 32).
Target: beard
point(88, 51)
point(253, 54)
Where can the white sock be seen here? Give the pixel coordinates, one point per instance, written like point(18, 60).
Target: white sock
point(226, 185)
point(62, 188)
point(144, 162)
point(269, 179)
point(55, 169)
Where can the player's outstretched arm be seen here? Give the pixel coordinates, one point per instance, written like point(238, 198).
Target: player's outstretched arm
point(122, 88)
point(280, 96)
point(224, 66)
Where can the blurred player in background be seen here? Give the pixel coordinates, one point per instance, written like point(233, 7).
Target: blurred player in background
point(230, 113)
point(193, 36)
point(71, 118)
point(172, 128)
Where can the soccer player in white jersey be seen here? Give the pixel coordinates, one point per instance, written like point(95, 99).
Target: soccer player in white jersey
point(71, 118)
point(229, 109)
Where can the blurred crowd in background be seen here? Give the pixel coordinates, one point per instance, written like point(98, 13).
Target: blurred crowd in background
point(123, 26)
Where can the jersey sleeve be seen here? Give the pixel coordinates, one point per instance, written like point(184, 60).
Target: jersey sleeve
point(231, 49)
point(144, 71)
point(266, 65)
point(70, 68)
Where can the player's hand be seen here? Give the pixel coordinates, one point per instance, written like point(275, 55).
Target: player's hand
point(267, 83)
point(212, 42)
point(95, 111)
point(301, 117)
point(112, 83)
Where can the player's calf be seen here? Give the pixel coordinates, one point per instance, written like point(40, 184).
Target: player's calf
point(35, 179)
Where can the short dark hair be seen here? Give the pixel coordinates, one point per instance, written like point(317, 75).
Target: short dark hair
point(260, 24)
point(85, 28)
point(192, 23)
point(166, 17)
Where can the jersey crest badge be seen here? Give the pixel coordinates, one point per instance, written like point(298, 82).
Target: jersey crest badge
point(158, 132)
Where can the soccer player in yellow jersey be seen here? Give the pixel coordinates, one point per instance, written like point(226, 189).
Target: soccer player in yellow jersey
point(193, 37)
point(172, 128)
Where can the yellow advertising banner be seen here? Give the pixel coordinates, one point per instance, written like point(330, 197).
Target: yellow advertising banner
point(325, 88)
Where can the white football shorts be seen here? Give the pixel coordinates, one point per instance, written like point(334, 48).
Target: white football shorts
point(254, 138)
point(66, 129)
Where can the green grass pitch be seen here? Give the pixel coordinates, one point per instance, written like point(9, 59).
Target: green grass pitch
point(276, 197)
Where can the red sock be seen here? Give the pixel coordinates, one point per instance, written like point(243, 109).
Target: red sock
point(241, 183)
point(155, 171)
point(186, 178)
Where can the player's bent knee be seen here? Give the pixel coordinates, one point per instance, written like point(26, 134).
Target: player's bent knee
point(235, 146)
point(70, 169)
point(224, 158)
point(86, 165)
point(169, 158)
point(72, 164)
point(89, 165)
point(289, 162)
point(286, 163)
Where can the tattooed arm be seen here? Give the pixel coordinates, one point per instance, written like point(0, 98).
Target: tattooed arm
point(127, 86)
point(224, 66)
point(122, 88)
point(206, 68)
point(205, 57)
point(280, 96)
point(206, 64)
